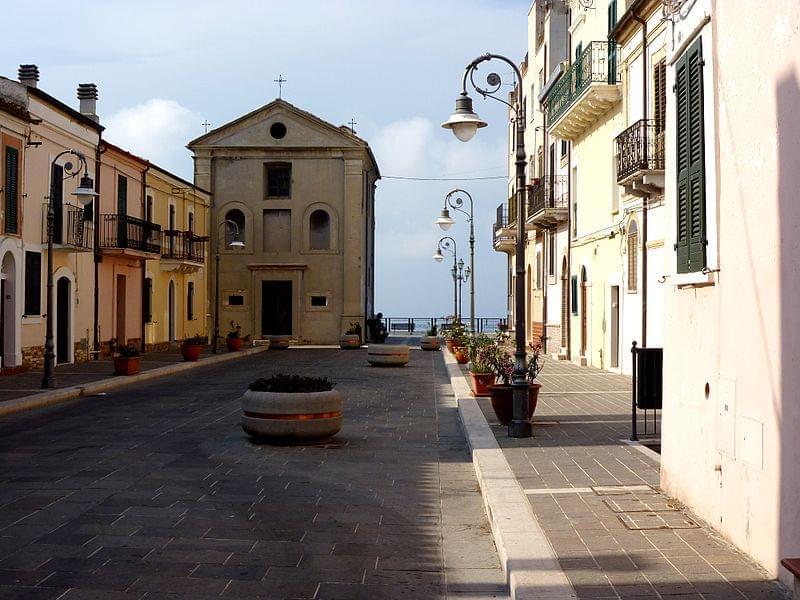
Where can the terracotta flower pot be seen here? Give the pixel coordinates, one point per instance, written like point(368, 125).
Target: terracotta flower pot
point(450, 344)
point(234, 344)
point(503, 401)
point(461, 355)
point(126, 365)
point(481, 383)
point(191, 352)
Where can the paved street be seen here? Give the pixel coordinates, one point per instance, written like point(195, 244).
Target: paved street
point(154, 491)
point(598, 502)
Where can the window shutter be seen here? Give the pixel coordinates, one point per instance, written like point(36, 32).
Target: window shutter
point(57, 189)
point(190, 301)
point(574, 294)
point(147, 304)
point(660, 96)
point(33, 283)
point(12, 190)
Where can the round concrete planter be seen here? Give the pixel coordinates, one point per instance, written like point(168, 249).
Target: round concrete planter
point(279, 342)
point(429, 342)
point(292, 418)
point(350, 341)
point(387, 355)
point(503, 401)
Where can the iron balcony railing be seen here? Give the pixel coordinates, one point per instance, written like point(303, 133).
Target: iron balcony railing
point(501, 219)
point(640, 148)
point(183, 245)
point(548, 192)
point(71, 228)
point(596, 64)
point(126, 232)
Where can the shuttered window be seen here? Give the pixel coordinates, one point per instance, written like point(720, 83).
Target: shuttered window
point(660, 95)
point(12, 190)
point(147, 300)
point(574, 294)
point(190, 301)
point(612, 47)
point(33, 283)
point(633, 257)
point(57, 190)
point(690, 157)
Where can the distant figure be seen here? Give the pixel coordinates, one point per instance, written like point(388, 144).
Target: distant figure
point(376, 330)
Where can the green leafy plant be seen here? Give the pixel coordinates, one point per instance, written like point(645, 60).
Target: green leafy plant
point(474, 344)
point(126, 351)
point(195, 340)
point(432, 332)
point(355, 329)
point(458, 333)
point(485, 359)
point(292, 384)
point(236, 330)
point(535, 362)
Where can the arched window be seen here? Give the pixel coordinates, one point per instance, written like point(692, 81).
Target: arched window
point(236, 216)
point(633, 257)
point(319, 225)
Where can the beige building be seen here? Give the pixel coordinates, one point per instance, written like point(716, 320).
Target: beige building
point(301, 192)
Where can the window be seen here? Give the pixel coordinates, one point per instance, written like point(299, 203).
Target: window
point(277, 236)
point(147, 300)
point(633, 257)
point(148, 209)
point(538, 270)
point(278, 180)
point(191, 222)
point(33, 283)
point(660, 96)
point(235, 300)
point(12, 190)
point(278, 130)
point(574, 294)
point(690, 158)
point(564, 148)
point(57, 190)
point(172, 217)
point(236, 216)
point(319, 301)
point(574, 202)
point(122, 195)
point(190, 301)
point(551, 254)
point(319, 228)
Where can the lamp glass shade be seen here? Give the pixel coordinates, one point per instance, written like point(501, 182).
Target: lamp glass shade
point(438, 257)
point(464, 122)
point(445, 221)
point(85, 191)
point(236, 244)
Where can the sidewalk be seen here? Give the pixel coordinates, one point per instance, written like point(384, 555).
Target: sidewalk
point(597, 499)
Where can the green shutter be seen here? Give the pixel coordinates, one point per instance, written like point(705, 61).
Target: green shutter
point(12, 190)
point(690, 157)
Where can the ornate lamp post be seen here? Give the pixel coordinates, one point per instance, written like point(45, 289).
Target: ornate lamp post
point(464, 123)
point(85, 194)
point(235, 243)
point(449, 244)
point(445, 221)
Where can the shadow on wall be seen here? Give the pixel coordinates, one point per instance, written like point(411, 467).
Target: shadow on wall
point(788, 122)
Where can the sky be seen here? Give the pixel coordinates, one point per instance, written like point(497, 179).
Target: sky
point(164, 67)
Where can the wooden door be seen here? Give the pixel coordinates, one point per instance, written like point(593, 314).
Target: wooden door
point(63, 325)
point(276, 307)
point(121, 298)
point(615, 326)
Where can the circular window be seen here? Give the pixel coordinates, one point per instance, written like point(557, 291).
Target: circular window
point(278, 130)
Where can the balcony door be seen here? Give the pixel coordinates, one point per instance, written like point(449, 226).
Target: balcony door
point(57, 189)
point(614, 326)
point(120, 329)
point(276, 308)
point(63, 324)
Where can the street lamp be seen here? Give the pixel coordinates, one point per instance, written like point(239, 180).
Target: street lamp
point(464, 123)
point(449, 244)
point(235, 243)
point(455, 201)
point(85, 194)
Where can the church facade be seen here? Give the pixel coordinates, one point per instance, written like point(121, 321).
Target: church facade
point(301, 194)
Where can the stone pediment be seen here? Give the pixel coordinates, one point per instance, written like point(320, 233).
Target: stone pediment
point(253, 130)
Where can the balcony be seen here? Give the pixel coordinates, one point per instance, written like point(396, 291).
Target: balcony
point(183, 251)
point(129, 236)
point(585, 92)
point(640, 159)
point(548, 202)
point(505, 237)
point(71, 231)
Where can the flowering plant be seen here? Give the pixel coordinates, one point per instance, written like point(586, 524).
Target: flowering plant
point(502, 364)
point(535, 362)
point(484, 359)
point(236, 330)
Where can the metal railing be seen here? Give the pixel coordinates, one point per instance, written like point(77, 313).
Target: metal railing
point(183, 245)
point(596, 64)
point(70, 228)
point(548, 192)
point(501, 220)
point(126, 232)
point(420, 325)
point(640, 148)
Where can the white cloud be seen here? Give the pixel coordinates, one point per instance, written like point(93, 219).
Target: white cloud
point(157, 130)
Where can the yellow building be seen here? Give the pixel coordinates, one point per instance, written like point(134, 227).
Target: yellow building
point(175, 290)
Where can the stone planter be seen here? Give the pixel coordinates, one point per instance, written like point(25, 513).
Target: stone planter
point(292, 418)
point(429, 342)
point(279, 342)
point(461, 355)
point(350, 341)
point(481, 383)
point(503, 401)
point(127, 365)
point(234, 344)
point(191, 352)
point(387, 355)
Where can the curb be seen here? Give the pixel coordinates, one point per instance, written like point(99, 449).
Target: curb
point(528, 560)
point(43, 399)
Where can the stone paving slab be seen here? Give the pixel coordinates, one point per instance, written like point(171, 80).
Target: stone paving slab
point(154, 491)
point(577, 461)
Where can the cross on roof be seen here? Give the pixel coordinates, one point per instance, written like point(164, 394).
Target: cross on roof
point(352, 122)
point(206, 125)
point(280, 81)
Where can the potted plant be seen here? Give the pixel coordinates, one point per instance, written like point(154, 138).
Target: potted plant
point(192, 347)
point(502, 394)
point(457, 335)
point(234, 340)
point(291, 409)
point(351, 338)
point(126, 360)
point(481, 352)
point(430, 341)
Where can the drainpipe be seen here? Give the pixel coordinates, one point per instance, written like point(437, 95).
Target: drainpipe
point(643, 23)
point(97, 256)
point(545, 244)
point(144, 261)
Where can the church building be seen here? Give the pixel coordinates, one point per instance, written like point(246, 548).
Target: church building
point(300, 193)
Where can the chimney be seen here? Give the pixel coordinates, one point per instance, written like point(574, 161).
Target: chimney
point(28, 75)
point(87, 94)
